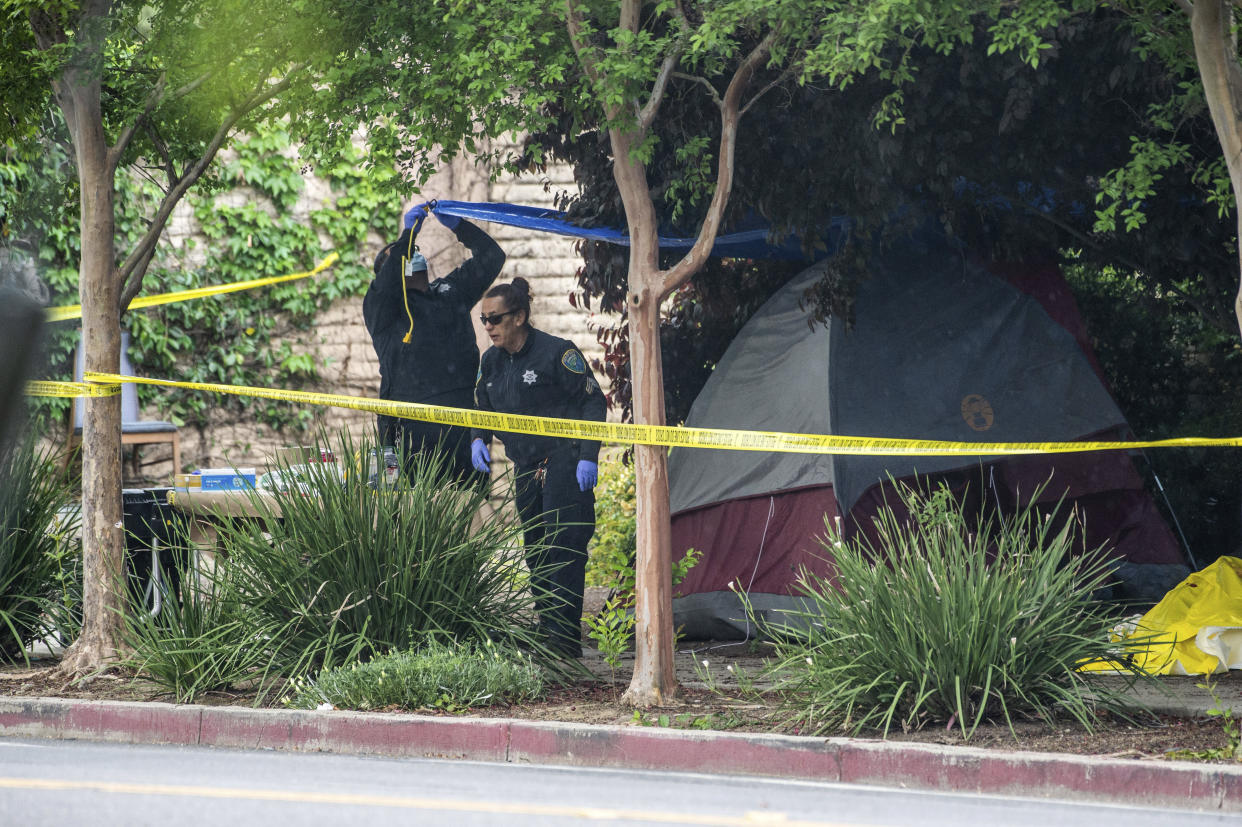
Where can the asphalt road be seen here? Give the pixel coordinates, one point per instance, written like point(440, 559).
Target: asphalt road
point(57, 783)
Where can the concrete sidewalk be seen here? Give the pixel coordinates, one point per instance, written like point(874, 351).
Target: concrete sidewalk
point(1163, 784)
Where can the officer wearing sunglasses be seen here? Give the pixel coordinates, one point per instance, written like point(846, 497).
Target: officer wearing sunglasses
point(527, 371)
point(424, 338)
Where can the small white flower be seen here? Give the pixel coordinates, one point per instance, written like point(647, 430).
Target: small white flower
point(325, 707)
point(730, 668)
point(704, 664)
point(808, 662)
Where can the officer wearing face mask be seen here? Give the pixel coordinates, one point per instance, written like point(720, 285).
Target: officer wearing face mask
point(527, 371)
point(424, 338)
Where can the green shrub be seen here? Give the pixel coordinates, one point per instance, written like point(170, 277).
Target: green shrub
point(611, 555)
point(611, 551)
point(610, 560)
point(199, 642)
point(436, 675)
point(348, 571)
point(34, 537)
point(947, 621)
point(63, 609)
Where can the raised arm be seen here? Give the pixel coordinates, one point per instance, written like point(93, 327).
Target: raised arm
point(382, 306)
point(478, 272)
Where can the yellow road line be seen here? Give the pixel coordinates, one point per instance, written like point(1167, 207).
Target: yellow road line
point(747, 819)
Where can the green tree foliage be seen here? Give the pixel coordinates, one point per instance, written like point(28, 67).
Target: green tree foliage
point(232, 340)
point(162, 87)
point(1008, 155)
point(1174, 375)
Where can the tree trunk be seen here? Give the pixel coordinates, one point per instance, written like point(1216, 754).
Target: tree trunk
point(1211, 24)
point(103, 544)
point(654, 681)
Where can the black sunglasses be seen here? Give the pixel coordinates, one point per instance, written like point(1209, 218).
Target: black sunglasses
point(494, 319)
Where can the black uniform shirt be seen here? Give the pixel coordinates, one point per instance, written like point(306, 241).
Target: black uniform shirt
point(547, 377)
point(441, 360)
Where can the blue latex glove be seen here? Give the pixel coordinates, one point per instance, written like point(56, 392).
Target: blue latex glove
point(450, 221)
point(480, 457)
point(416, 214)
point(588, 473)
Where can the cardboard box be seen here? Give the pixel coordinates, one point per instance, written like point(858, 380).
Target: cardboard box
point(292, 454)
point(227, 479)
point(302, 454)
point(184, 481)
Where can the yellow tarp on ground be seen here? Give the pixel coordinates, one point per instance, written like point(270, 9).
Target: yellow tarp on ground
point(1196, 629)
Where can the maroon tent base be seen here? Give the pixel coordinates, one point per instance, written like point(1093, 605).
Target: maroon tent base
point(762, 546)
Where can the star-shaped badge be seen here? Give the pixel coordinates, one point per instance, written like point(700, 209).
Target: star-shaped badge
point(529, 377)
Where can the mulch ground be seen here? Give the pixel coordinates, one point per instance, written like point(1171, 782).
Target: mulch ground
point(708, 698)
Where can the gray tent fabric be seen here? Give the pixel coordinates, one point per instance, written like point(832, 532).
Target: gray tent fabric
point(914, 366)
point(773, 351)
point(986, 365)
point(941, 348)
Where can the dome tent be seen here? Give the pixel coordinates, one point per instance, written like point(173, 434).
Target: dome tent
point(942, 348)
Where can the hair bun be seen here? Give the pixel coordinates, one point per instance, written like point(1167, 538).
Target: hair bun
point(521, 285)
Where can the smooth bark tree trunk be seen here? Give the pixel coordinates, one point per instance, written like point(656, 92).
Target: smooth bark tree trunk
point(1216, 52)
point(103, 543)
point(654, 680)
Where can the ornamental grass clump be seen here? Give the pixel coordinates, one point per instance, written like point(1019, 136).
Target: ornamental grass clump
point(950, 619)
point(36, 533)
point(435, 675)
point(199, 642)
point(344, 567)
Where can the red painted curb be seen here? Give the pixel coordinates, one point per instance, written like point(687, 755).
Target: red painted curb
point(1169, 784)
point(139, 723)
point(404, 736)
point(965, 769)
point(662, 749)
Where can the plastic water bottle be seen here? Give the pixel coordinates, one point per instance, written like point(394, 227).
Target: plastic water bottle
point(391, 470)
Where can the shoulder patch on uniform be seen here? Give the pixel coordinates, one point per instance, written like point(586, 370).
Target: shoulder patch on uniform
point(572, 359)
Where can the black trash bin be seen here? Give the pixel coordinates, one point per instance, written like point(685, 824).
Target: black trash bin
point(155, 554)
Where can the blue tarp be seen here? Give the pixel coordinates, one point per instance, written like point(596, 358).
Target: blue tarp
point(752, 243)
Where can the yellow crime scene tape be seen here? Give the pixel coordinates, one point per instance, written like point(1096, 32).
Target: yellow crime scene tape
point(668, 435)
point(74, 311)
point(71, 389)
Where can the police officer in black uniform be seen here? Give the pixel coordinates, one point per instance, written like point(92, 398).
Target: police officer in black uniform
point(423, 336)
point(527, 371)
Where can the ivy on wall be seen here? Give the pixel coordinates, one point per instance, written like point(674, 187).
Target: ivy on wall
point(247, 229)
